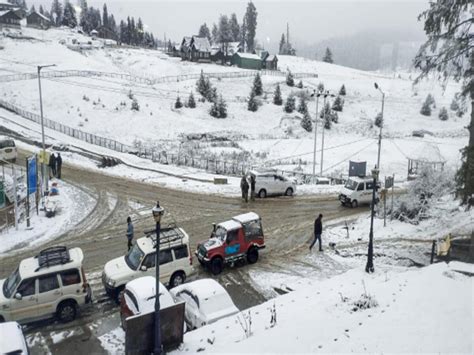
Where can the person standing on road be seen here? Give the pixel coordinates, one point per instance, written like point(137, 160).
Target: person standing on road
point(252, 187)
point(244, 186)
point(129, 232)
point(59, 164)
point(318, 230)
point(52, 166)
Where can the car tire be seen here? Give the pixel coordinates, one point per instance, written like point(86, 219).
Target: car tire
point(66, 311)
point(354, 204)
point(2, 320)
point(289, 192)
point(252, 255)
point(217, 265)
point(262, 193)
point(177, 279)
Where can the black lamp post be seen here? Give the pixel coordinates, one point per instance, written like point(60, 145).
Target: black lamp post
point(157, 213)
point(369, 268)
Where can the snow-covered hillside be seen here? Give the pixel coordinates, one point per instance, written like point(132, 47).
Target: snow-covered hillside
point(103, 106)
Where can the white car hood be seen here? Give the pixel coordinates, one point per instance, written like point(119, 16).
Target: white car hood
point(212, 243)
point(346, 191)
point(117, 268)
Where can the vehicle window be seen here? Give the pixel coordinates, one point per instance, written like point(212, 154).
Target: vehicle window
point(181, 252)
point(351, 185)
point(253, 229)
point(70, 277)
point(360, 187)
point(27, 287)
point(130, 297)
point(7, 143)
point(232, 236)
point(165, 256)
point(11, 283)
point(369, 185)
point(134, 257)
point(149, 260)
point(48, 283)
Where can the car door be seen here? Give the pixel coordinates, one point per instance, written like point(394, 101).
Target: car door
point(26, 307)
point(49, 293)
point(167, 265)
point(71, 283)
point(149, 263)
point(191, 310)
point(233, 244)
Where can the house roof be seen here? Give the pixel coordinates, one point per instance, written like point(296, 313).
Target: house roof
point(248, 56)
point(271, 57)
point(186, 41)
point(39, 15)
point(201, 44)
point(4, 13)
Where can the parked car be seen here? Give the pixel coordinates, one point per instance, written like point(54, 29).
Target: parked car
point(12, 340)
point(138, 298)
point(237, 239)
point(272, 183)
point(8, 151)
point(176, 262)
point(52, 283)
point(356, 191)
point(206, 302)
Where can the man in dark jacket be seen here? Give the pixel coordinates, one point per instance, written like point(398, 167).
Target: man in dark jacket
point(52, 165)
point(244, 186)
point(129, 232)
point(318, 230)
point(252, 187)
point(59, 164)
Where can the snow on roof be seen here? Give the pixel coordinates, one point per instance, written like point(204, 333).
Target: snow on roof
point(270, 58)
point(40, 15)
point(248, 56)
point(186, 41)
point(429, 153)
point(230, 225)
point(246, 217)
point(201, 44)
point(144, 290)
point(12, 339)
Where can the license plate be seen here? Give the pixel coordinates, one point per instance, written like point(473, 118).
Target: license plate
point(8, 150)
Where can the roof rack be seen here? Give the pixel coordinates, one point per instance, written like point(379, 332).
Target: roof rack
point(53, 256)
point(168, 235)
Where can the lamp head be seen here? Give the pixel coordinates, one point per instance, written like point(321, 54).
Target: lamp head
point(375, 172)
point(376, 86)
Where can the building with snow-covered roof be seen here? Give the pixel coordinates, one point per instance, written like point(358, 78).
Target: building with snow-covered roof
point(37, 20)
point(200, 49)
point(247, 61)
point(9, 18)
point(5, 6)
point(427, 157)
point(185, 48)
point(270, 62)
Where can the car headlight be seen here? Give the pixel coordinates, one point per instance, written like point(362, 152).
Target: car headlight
point(111, 282)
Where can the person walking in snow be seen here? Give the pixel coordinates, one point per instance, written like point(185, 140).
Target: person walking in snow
point(252, 187)
point(59, 164)
point(52, 165)
point(318, 230)
point(129, 232)
point(244, 186)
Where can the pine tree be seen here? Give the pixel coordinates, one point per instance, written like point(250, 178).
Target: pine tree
point(32, 9)
point(342, 91)
point(282, 44)
point(202, 85)
point(214, 111)
point(302, 106)
point(326, 111)
point(191, 101)
point(243, 35)
point(290, 104)
point(328, 56)
point(224, 34)
point(379, 120)
point(277, 100)
point(212, 94)
point(215, 33)
point(320, 87)
point(41, 10)
point(334, 117)
point(338, 104)
point(290, 81)
point(454, 104)
point(300, 84)
point(257, 85)
point(251, 26)
point(234, 28)
point(135, 105)
point(252, 104)
point(204, 31)
point(222, 107)
point(105, 16)
point(443, 114)
point(431, 101)
point(327, 122)
point(69, 15)
point(306, 122)
point(57, 12)
point(178, 104)
point(140, 32)
point(426, 108)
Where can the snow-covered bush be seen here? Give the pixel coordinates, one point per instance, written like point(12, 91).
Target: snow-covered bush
point(443, 114)
point(342, 91)
point(306, 122)
point(252, 104)
point(290, 104)
point(300, 84)
point(364, 302)
point(290, 81)
point(257, 85)
point(302, 106)
point(135, 105)
point(338, 104)
point(277, 100)
point(426, 108)
point(130, 95)
point(191, 101)
point(178, 104)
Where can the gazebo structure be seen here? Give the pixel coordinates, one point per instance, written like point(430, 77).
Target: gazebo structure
point(428, 156)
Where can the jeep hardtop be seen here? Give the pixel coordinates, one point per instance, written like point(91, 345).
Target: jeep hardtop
point(237, 239)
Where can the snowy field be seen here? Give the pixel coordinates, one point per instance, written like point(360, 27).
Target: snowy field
point(268, 136)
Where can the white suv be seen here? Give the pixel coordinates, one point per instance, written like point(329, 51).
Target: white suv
point(272, 183)
point(50, 284)
point(8, 150)
point(175, 261)
point(357, 191)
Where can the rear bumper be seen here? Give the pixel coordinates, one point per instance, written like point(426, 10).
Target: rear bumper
point(89, 295)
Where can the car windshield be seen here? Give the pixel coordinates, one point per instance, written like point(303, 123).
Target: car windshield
point(351, 184)
point(134, 257)
point(11, 283)
point(7, 143)
point(220, 233)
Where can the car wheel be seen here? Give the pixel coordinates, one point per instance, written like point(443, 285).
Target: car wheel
point(354, 204)
point(217, 264)
point(2, 320)
point(289, 192)
point(262, 193)
point(177, 279)
point(66, 311)
point(252, 255)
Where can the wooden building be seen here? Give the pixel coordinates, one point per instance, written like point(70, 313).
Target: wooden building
point(200, 49)
point(247, 61)
point(9, 18)
point(185, 48)
point(270, 62)
point(37, 20)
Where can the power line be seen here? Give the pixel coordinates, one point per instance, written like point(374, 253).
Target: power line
point(346, 159)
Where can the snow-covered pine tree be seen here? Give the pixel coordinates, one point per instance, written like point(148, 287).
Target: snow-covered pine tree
point(338, 104)
point(342, 91)
point(300, 84)
point(69, 15)
point(135, 105)
point(334, 117)
point(302, 106)
point(306, 122)
point(321, 87)
point(454, 104)
point(290, 104)
point(290, 81)
point(222, 107)
point(214, 111)
point(443, 114)
point(378, 120)
point(252, 104)
point(431, 101)
point(328, 56)
point(191, 101)
point(326, 111)
point(257, 85)
point(327, 122)
point(212, 94)
point(234, 27)
point(204, 31)
point(203, 86)
point(426, 108)
point(277, 100)
point(178, 104)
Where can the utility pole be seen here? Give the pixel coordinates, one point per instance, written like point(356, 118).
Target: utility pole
point(369, 268)
point(157, 214)
point(326, 94)
point(315, 133)
point(44, 176)
point(381, 124)
point(15, 197)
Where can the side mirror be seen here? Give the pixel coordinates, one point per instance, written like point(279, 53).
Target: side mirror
point(18, 296)
point(143, 268)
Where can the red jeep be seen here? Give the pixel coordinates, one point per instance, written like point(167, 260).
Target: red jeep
point(233, 240)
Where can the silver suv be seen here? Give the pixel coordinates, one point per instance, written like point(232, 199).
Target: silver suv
point(49, 284)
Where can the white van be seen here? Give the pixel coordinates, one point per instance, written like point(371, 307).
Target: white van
point(272, 183)
point(356, 191)
point(176, 262)
point(8, 150)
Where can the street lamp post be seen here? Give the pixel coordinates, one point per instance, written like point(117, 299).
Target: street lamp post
point(326, 94)
point(44, 176)
point(381, 124)
point(315, 132)
point(157, 214)
point(369, 268)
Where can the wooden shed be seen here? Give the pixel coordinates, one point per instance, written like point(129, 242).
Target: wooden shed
point(247, 61)
point(200, 49)
point(9, 18)
point(37, 20)
point(270, 62)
